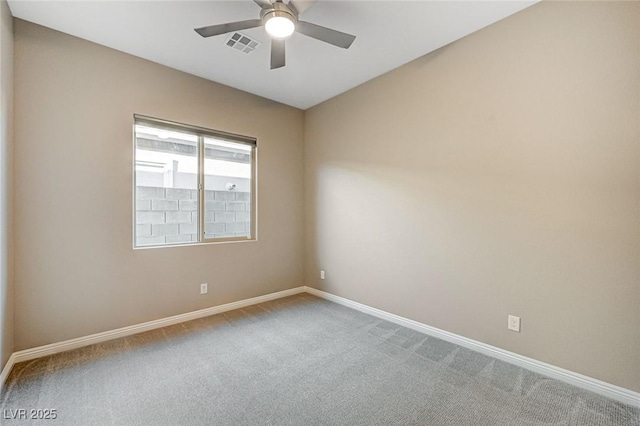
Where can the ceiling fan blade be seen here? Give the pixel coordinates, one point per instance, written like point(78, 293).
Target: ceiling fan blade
point(213, 30)
point(325, 34)
point(265, 4)
point(277, 53)
point(302, 5)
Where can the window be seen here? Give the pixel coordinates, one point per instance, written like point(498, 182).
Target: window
point(192, 185)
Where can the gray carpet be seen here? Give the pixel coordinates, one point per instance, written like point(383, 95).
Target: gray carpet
point(299, 360)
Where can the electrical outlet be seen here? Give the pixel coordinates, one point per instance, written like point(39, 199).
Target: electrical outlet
point(322, 275)
point(513, 323)
point(204, 288)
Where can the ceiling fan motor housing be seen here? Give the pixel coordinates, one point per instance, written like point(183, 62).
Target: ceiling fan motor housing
point(279, 9)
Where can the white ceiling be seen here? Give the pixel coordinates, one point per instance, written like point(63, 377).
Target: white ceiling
point(389, 34)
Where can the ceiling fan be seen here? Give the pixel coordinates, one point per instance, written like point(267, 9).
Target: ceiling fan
point(280, 21)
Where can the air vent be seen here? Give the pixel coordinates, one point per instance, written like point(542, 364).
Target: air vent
point(242, 43)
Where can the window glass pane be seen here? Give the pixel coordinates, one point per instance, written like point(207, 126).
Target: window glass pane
point(227, 184)
point(166, 168)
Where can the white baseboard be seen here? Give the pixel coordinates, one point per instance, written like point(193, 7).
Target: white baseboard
point(7, 369)
point(602, 388)
point(40, 351)
point(597, 386)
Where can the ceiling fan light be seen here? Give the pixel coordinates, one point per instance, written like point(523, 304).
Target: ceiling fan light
point(280, 26)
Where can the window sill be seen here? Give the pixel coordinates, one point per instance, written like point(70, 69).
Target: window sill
point(207, 243)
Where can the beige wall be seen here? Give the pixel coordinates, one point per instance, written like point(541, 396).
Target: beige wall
point(75, 271)
point(6, 183)
point(499, 175)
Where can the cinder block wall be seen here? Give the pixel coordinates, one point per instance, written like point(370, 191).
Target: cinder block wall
point(170, 216)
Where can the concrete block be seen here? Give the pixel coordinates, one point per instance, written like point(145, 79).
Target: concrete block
point(243, 196)
point(243, 217)
point(178, 217)
point(225, 195)
point(149, 241)
point(209, 217)
point(188, 228)
point(178, 194)
point(166, 205)
point(149, 218)
point(149, 193)
point(179, 239)
point(143, 231)
point(194, 194)
point(209, 195)
point(188, 205)
point(236, 206)
point(236, 227)
point(212, 229)
point(215, 206)
point(225, 217)
point(143, 205)
point(164, 230)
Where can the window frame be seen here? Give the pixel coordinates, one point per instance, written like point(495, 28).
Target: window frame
point(201, 133)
